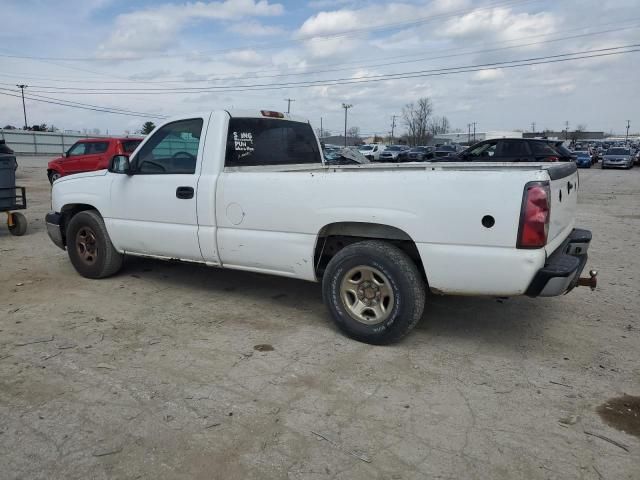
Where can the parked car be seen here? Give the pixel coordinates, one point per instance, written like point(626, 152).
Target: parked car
point(92, 154)
point(515, 150)
point(251, 192)
point(372, 152)
point(418, 154)
point(583, 159)
point(617, 157)
point(390, 154)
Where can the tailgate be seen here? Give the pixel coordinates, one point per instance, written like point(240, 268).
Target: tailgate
point(564, 199)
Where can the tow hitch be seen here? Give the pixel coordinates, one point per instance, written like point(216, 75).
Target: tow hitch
point(591, 282)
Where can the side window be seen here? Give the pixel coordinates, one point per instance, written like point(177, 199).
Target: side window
point(78, 149)
point(513, 149)
point(97, 147)
point(485, 150)
point(542, 148)
point(172, 149)
point(259, 141)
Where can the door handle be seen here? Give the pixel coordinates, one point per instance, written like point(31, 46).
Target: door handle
point(184, 192)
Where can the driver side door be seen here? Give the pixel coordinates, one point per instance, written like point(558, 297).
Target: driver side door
point(153, 211)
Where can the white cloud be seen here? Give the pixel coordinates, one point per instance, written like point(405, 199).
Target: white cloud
point(155, 29)
point(247, 57)
point(501, 23)
point(252, 28)
point(490, 75)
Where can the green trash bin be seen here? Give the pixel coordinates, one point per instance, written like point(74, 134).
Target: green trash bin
point(7, 182)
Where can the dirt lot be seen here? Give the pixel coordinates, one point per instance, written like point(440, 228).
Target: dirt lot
point(154, 373)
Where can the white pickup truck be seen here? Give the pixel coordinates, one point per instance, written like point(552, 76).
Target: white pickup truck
point(249, 191)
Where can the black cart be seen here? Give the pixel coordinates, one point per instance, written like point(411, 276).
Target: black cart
point(12, 198)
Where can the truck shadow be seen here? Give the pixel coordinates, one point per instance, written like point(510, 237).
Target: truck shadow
point(483, 319)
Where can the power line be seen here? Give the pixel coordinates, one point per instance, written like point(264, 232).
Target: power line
point(302, 38)
point(243, 75)
point(352, 66)
point(33, 96)
point(103, 110)
point(585, 54)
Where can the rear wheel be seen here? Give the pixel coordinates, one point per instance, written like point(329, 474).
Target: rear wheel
point(18, 224)
point(89, 246)
point(374, 292)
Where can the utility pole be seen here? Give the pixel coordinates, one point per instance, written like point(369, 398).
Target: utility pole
point(321, 130)
point(289, 100)
point(533, 127)
point(469, 133)
point(474, 131)
point(24, 109)
point(393, 126)
point(626, 138)
point(566, 130)
point(346, 107)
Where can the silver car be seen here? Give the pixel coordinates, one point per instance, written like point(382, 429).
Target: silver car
point(617, 157)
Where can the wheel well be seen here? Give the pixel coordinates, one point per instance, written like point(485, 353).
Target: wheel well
point(68, 212)
point(334, 237)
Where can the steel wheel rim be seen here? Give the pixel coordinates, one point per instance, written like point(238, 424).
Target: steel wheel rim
point(55, 176)
point(367, 295)
point(86, 245)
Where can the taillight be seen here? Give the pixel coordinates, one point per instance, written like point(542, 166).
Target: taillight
point(271, 114)
point(534, 215)
point(552, 158)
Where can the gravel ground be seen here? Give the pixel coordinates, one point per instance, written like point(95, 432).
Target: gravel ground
point(166, 370)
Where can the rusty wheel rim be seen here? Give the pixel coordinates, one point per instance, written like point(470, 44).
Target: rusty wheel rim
point(86, 245)
point(367, 295)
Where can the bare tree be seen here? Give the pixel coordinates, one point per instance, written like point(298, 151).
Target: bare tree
point(416, 118)
point(353, 132)
point(439, 125)
point(575, 135)
point(322, 132)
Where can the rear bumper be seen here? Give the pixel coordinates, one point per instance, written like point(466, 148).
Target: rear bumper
point(563, 267)
point(53, 222)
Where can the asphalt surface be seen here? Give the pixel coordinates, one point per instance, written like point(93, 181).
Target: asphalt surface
point(181, 371)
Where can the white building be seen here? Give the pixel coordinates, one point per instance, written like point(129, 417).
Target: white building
point(463, 137)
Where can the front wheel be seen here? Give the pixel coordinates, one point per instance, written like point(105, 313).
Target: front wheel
point(18, 224)
point(374, 292)
point(89, 246)
point(53, 176)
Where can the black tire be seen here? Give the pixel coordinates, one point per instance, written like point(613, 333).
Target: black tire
point(53, 176)
point(19, 226)
point(89, 246)
point(405, 282)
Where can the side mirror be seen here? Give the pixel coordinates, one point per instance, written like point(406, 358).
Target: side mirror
point(120, 164)
point(66, 154)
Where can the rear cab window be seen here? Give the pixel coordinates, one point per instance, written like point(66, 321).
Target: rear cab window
point(261, 141)
point(542, 149)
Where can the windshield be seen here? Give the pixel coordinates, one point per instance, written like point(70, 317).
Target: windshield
point(617, 151)
point(366, 147)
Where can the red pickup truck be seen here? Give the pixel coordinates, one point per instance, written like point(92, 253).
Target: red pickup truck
point(90, 154)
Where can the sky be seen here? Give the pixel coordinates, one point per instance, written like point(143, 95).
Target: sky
point(169, 58)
